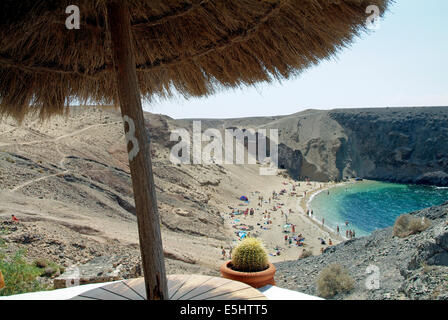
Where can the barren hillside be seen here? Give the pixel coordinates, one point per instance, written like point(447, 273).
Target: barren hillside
point(68, 182)
point(408, 145)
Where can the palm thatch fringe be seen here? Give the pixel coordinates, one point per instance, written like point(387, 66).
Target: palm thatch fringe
point(193, 46)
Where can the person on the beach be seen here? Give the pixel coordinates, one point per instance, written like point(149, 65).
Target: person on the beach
point(330, 242)
point(14, 218)
point(353, 233)
point(286, 238)
point(337, 229)
point(223, 252)
point(293, 228)
point(323, 222)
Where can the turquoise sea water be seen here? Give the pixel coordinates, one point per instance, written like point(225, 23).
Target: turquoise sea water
point(371, 205)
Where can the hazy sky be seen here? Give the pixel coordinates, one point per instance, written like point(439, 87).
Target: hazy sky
point(403, 63)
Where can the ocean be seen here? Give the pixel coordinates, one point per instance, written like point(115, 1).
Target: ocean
point(371, 205)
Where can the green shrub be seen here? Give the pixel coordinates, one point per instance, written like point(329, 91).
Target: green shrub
point(333, 280)
point(48, 268)
point(50, 271)
point(406, 225)
point(305, 254)
point(250, 256)
point(40, 263)
point(19, 276)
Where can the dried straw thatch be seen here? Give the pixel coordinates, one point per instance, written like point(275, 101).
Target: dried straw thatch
point(194, 46)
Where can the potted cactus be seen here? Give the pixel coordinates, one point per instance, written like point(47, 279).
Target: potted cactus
point(249, 264)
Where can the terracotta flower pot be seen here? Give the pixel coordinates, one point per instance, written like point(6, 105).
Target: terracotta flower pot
point(2, 281)
point(255, 279)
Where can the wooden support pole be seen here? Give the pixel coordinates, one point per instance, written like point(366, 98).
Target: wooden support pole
point(138, 145)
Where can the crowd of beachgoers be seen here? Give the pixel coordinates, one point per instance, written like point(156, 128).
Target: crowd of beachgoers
point(280, 217)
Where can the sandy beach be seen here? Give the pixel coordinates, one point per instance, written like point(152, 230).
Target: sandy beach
point(42, 186)
point(275, 216)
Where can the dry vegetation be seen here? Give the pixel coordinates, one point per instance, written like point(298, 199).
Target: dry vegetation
point(334, 280)
point(305, 254)
point(406, 225)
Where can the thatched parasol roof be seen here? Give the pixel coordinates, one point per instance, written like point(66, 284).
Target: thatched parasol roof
point(125, 49)
point(194, 46)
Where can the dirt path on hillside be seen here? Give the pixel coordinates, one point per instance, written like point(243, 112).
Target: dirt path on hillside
point(55, 139)
point(57, 147)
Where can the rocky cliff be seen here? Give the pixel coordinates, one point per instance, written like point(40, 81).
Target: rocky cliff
point(415, 267)
point(407, 145)
point(403, 144)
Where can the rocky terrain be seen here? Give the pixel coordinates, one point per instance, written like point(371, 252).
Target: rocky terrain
point(68, 182)
point(407, 145)
point(415, 267)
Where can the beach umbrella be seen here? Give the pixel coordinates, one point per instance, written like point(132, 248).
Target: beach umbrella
point(55, 52)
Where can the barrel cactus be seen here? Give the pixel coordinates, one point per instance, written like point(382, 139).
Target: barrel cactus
point(250, 256)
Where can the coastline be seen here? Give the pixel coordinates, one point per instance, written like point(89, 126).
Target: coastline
point(366, 185)
point(305, 204)
point(273, 234)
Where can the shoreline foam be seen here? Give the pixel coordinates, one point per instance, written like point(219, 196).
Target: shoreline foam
point(304, 204)
point(335, 218)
